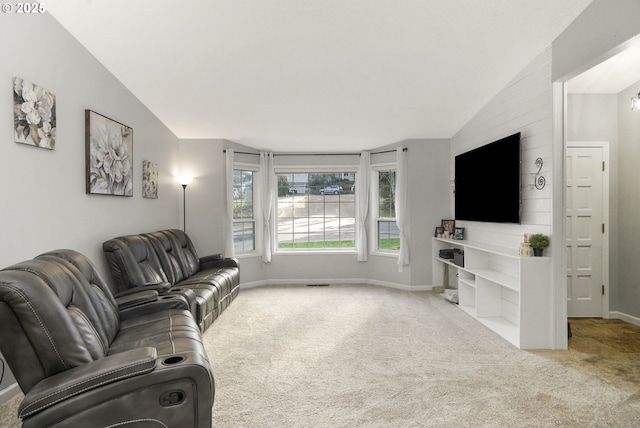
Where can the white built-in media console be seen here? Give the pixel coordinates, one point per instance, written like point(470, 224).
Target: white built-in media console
point(508, 293)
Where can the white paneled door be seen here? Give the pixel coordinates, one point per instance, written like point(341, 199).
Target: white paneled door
point(585, 231)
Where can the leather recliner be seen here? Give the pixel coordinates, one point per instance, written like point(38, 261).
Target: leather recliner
point(82, 361)
point(169, 255)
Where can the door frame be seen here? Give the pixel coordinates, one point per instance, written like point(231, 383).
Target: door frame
point(604, 145)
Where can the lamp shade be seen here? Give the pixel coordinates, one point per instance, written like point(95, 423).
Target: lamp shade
point(184, 180)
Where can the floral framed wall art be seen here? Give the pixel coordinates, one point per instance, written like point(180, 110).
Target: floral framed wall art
point(109, 156)
point(149, 180)
point(34, 114)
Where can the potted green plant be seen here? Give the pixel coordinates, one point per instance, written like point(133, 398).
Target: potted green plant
point(538, 242)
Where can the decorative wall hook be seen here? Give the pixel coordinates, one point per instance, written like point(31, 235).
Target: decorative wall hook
point(539, 180)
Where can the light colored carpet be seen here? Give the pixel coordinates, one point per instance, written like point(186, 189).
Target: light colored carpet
point(346, 356)
point(366, 356)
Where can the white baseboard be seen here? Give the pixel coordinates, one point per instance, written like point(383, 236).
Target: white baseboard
point(624, 317)
point(403, 287)
point(9, 392)
point(336, 281)
point(254, 284)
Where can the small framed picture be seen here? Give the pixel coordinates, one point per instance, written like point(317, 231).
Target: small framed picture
point(448, 226)
point(439, 232)
point(458, 233)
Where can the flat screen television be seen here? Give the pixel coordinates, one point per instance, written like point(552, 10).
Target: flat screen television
point(487, 182)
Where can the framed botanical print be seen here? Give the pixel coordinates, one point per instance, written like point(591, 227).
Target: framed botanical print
point(109, 156)
point(149, 179)
point(34, 114)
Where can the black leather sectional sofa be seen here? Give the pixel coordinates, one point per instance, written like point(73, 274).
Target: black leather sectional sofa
point(167, 260)
point(86, 359)
point(91, 354)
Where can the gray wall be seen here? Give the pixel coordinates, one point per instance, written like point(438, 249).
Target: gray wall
point(628, 299)
point(428, 189)
point(44, 205)
point(203, 160)
point(605, 28)
point(594, 117)
point(609, 118)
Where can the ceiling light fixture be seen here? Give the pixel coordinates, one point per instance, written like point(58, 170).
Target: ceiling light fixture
point(635, 102)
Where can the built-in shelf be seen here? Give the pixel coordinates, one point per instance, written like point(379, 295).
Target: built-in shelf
point(506, 292)
point(470, 283)
point(503, 279)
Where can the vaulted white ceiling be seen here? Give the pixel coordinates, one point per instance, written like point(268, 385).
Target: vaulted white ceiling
point(315, 75)
point(611, 76)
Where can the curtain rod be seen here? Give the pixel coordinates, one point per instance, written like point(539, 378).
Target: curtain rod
point(317, 154)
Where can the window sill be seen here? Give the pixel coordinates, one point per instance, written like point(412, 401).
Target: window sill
point(386, 254)
point(312, 252)
point(248, 255)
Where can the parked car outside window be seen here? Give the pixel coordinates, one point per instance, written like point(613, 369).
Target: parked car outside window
point(331, 190)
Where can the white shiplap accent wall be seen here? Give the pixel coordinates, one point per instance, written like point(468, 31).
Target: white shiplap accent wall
point(525, 105)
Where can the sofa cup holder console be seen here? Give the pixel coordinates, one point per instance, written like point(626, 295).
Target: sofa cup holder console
point(172, 360)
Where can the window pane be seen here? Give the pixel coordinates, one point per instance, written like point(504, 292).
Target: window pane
point(301, 226)
point(242, 194)
point(243, 230)
point(388, 235)
point(386, 195)
point(285, 239)
point(244, 236)
point(347, 209)
point(332, 209)
point(300, 208)
point(348, 232)
point(316, 210)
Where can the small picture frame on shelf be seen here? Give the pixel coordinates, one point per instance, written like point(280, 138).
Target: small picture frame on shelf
point(439, 232)
point(458, 233)
point(448, 226)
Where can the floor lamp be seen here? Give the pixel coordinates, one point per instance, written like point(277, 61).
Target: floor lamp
point(184, 182)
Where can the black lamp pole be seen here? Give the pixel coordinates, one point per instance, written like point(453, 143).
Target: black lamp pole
point(184, 208)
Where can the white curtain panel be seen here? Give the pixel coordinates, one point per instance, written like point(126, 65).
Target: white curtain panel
point(363, 178)
point(229, 250)
point(401, 206)
point(269, 183)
